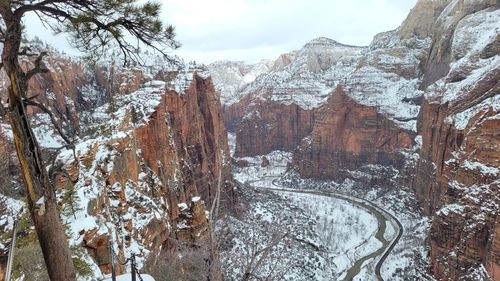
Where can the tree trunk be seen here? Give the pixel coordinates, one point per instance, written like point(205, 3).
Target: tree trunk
point(39, 191)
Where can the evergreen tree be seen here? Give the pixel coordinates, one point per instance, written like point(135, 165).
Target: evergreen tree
point(93, 26)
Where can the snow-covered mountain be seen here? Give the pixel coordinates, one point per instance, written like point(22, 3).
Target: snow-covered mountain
point(231, 78)
point(305, 77)
point(140, 147)
point(422, 100)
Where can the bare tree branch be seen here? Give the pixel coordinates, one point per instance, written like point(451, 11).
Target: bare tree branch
point(59, 130)
point(39, 66)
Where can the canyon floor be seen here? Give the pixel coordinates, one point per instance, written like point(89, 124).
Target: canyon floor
point(297, 229)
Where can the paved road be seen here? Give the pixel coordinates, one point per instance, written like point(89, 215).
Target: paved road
point(382, 217)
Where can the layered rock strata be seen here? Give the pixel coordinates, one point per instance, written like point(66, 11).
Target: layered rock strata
point(457, 175)
point(349, 135)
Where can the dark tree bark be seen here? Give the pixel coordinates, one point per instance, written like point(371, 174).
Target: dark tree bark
point(39, 191)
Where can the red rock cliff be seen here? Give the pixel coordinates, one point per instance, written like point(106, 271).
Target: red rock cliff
point(146, 173)
point(186, 134)
point(174, 158)
point(457, 176)
point(348, 135)
point(270, 126)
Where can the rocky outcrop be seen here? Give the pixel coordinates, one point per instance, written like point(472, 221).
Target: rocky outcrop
point(420, 22)
point(371, 116)
point(440, 57)
point(162, 172)
point(456, 177)
point(72, 87)
point(160, 147)
point(192, 222)
point(231, 77)
point(186, 138)
point(277, 110)
point(272, 126)
point(348, 136)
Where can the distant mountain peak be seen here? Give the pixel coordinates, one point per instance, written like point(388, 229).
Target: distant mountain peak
point(324, 41)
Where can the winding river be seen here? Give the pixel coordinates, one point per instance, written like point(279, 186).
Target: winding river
point(382, 216)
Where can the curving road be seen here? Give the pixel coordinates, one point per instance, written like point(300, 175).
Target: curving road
point(382, 217)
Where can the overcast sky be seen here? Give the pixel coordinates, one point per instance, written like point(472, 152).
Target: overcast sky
point(251, 30)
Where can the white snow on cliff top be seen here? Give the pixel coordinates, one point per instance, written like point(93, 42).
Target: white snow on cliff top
point(451, 208)
point(230, 78)
point(307, 76)
point(461, 119)
point(144, 101)
point(482, 168)
point(386, 91)
point(472, 35)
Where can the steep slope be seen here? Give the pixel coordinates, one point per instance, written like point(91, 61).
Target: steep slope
point(143, 166)
point(286, 101)
point(145, 179)
point(372, 119)
point(425, 94)
point(278, 109)
point(231, 79)
point(457, 173)
point(348, 135)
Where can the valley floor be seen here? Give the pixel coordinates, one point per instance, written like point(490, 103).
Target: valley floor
point(303, 233)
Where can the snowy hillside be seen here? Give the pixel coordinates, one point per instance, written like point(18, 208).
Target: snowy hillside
point(307, 76)
point(231, 78)
point(384, 75)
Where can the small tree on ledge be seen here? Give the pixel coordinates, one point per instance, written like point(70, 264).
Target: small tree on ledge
point(92, 25)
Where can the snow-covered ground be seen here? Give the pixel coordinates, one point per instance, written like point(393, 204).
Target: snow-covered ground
point(322, 236)
point(344, 231)
point(11, 209)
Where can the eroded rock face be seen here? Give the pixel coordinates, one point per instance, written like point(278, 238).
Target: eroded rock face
point(158, 168)
point(440, 57)
point(347, 136)
point(192, 223)
point(457, 175)
point(272, 126)
point(459, 178)
point(163, 145)
point(281, 108)
point(420, 21)
point(277, 110)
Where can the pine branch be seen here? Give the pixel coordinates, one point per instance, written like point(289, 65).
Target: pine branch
point(39, 66)
point(30, 101)
point(94, 24)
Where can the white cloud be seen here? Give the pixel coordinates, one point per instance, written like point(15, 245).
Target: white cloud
point(255, 29)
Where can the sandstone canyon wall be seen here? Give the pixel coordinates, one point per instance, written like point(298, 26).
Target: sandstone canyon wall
point(278, 109)
point(457, 175)
point(145, 169)
point(348, 135)
point(429, 90)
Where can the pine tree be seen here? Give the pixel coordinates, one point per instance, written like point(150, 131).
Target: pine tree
point(134, 116)
point(94, 26)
